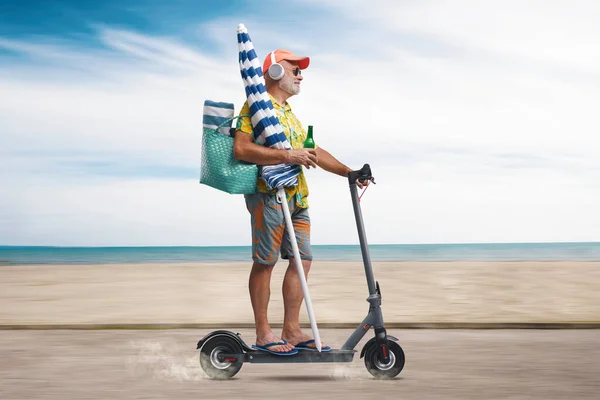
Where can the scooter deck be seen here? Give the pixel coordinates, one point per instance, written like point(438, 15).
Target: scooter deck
point(303, 356)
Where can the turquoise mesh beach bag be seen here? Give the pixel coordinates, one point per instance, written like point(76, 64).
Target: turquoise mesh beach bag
point(219, 169)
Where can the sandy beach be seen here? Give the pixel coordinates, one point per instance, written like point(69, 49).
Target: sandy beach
point(216, 294)
point(64, 362)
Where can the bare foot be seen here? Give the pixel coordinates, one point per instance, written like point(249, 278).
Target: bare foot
point(296, 337)
point(271, 338)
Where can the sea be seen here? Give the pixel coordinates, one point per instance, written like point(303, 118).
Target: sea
point(27, 255)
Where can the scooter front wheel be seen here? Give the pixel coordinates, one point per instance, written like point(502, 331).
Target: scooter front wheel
point(380, 369)
point(213, 365)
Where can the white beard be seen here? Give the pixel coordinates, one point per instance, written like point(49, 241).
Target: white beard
point(287, 84)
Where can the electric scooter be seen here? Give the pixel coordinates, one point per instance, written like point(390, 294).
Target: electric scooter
point(222, 352)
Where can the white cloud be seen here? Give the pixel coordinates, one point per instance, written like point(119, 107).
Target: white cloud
point(551, 31)
point(479, 124)
point(124, 212)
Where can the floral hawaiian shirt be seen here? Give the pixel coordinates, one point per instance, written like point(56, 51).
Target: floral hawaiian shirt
point(295, 134)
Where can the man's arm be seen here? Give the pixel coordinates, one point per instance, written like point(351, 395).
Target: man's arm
point(330, 164)
point(245, 149)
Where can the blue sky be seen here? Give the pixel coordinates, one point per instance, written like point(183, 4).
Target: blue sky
point(478, 119)
point(75, 18)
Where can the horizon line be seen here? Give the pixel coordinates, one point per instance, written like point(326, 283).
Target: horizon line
point(314, 245)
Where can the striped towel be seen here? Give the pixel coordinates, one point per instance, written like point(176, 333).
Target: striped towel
point(267, 130)
point(216, 113)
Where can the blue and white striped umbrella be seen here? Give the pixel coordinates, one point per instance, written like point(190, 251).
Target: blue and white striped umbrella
point(267, 130)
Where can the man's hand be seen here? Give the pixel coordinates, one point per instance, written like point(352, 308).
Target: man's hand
point(306, 157)
point(359, 184)
point(364, 183)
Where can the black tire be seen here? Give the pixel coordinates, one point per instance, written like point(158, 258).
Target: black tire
point(380, 370)
point(214, 368)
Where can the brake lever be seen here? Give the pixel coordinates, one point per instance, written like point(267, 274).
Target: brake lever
point(363, 180)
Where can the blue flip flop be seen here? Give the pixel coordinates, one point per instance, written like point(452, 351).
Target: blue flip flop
point(277, 353)
point(305, 346)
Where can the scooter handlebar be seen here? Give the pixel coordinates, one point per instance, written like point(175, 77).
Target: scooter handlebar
point(362, 175)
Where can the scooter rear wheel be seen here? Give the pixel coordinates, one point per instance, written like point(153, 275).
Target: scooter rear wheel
point(377, 367)
point(209, 357)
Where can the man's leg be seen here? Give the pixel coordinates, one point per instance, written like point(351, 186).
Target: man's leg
point(260, 293)
point(292, 302)
point(292, 287)
point(267, 233)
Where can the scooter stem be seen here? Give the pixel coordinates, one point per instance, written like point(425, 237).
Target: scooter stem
point(281, 198)
point(362, 237)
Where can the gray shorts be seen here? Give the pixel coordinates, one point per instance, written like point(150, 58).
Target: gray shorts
point(269, 233)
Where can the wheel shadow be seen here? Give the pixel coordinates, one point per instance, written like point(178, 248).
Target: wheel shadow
point(299, 378)
point(320, 378)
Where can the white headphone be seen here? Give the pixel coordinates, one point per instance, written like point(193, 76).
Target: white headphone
point(276, 71)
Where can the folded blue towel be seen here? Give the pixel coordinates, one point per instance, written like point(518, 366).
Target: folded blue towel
point(217, 113)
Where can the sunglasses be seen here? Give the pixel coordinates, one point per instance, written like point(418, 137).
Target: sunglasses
point(296, 71)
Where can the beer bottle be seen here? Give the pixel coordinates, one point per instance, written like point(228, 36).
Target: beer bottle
point(309, 143)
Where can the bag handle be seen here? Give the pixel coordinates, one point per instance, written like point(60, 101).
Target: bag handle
point(229, 120)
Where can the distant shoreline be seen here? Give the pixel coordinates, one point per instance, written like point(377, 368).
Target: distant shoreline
point(282, 261)
point(560, 251)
